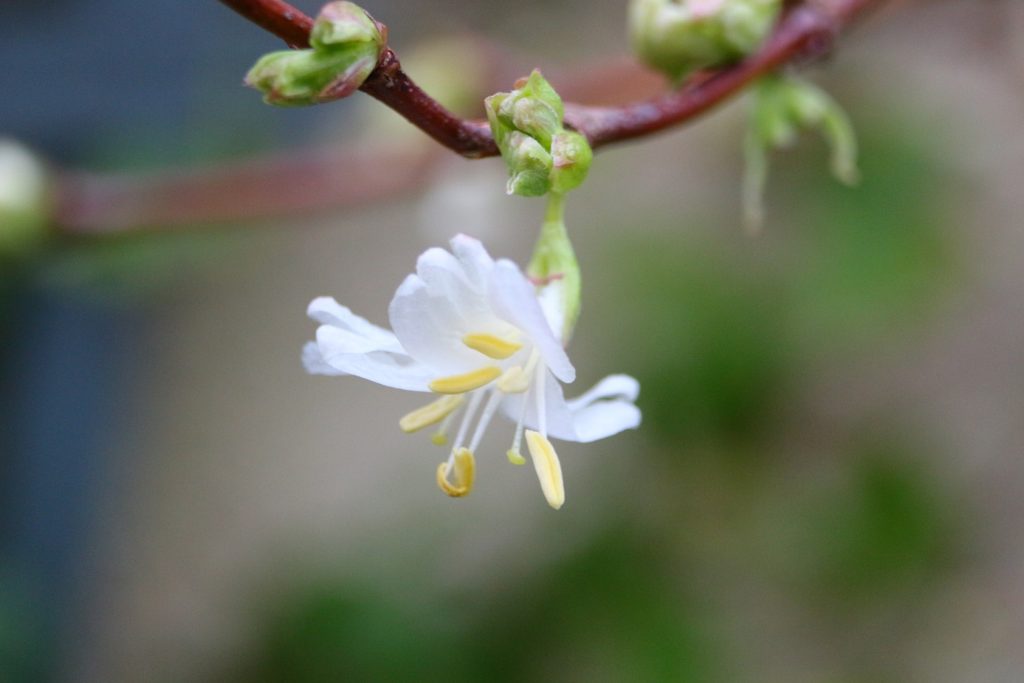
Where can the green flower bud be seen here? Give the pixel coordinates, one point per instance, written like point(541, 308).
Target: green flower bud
point(346, 45)
point(570, 156)
point(536, 118)
point(25, 199)
point(344, 24)
point(681, 36)
point(536, 87)
point(529, 166)
point(542, 156)
point(784, 105)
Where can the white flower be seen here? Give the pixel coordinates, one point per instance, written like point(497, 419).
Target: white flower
point(480, 334)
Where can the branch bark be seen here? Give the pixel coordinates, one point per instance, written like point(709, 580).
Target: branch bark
point(805, 30)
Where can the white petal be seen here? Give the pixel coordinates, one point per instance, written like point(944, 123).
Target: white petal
point(604, 410)
point(314, 361)
point(445, 277)
point(335, 356)
point(513, 298)
point(602, 419)
point(429, 329)
point(559, 417)
point(476, 262)
point(621, 387)
point(327, 311)
point(551, 299)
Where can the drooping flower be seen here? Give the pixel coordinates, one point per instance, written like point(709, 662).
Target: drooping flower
point(479, 334)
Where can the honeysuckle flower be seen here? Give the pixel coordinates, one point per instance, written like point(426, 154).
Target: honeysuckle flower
point(483, 338)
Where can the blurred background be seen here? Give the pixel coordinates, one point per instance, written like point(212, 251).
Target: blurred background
point(827, 486)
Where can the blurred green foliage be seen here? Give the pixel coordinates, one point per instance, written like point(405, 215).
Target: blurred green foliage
point(609, 612)
point(886, 526)
point(729, 329)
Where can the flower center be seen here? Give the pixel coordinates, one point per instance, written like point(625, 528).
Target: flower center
point(456, 474)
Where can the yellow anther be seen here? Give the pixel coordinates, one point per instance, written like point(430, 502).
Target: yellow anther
point(430, 414)
point(439, 439)
point(464, 468)
point(491, 346)
point(549, 470)
point(515, 457)
point(514, 380)
point(460, 384)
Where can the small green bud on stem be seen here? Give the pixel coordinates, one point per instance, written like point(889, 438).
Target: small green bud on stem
point(346, 45)
point(541, 154)
point(678, 37)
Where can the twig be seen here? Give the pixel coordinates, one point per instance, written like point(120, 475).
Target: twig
point(807, 29)
point(93, 204)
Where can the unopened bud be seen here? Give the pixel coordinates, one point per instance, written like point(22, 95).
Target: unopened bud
point(542, 156)
point(681, 36)
point(25, 206)
point(346, 45)
point(344, 24)
point(570, 157)
point(529, 166)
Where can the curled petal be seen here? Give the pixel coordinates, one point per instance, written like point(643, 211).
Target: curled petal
point(622, 387)
point(326, 311)
point(335, 354)
point(428, 327)
point(514, 299)
point(603, 411)
point(445, 277)
point(475, 260)
point(314, 361)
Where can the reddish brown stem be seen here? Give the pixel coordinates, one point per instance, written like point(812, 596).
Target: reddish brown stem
point(805, 30)
point(90, 203)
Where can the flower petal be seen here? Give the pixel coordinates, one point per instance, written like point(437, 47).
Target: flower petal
point(445, 277)
point(475, 260)
point(314, 361)
point(428, 328)
point(621, 387)
point(551, 298)
point(604, 410)
point(602, 419)
point(336, 355)
point(514, 299)
point(327, 311)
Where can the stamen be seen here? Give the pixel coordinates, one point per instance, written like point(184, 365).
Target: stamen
point(430, 414)
point(440, 437)
point(460, 384)
point(460, 438)
point(491, 346)
point(549, 470)
point(514, 381)
point(514, 455)
point(485, 418)
point(464, 468)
